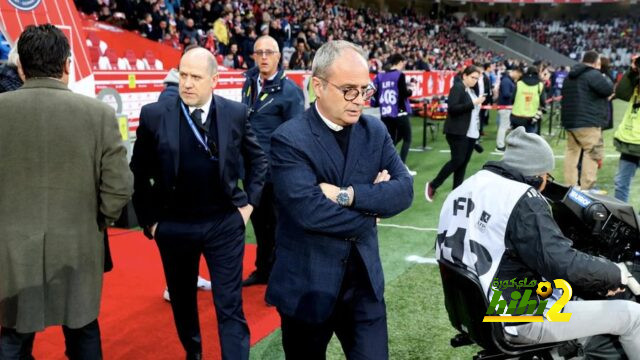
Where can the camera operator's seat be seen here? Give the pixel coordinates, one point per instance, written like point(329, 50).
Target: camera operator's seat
point(466, 305)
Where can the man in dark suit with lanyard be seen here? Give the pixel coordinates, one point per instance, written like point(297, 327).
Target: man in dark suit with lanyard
point(187, 160)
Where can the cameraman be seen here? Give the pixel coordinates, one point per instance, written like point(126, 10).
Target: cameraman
point(627, 136)
point(499, 215)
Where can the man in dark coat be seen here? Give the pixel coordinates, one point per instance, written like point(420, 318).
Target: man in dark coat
point(187, 160)
point(583, 112)
point(334, 172)
point(272, 99)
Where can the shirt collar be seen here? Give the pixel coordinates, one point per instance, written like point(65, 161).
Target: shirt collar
point(333, 126)
point(205, 108)
point(260, 80)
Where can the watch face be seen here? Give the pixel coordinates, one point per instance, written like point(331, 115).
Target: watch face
point(343, 198)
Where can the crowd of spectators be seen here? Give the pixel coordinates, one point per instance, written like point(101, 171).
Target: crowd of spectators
point(300, 28)
point(618, 38)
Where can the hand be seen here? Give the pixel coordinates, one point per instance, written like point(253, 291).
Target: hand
point(626, 278)
point(479, 100)
point(246, 211)
point(152, 229)
point(382, 177)
point(330, 191)
point(615, 291)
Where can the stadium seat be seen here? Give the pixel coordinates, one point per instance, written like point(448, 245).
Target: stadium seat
point(94, 56)
point(93, 37)
point(103, 47)
point(104, 63)
point(220, 59)
point(140, 65)
point(113, 58)
point(123, 64)
point(466, 305)
point(151, 62)
point(130, 55)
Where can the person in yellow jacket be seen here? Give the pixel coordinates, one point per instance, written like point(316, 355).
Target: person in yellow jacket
point(627, 136)
point(529, 101)
point(221, 32)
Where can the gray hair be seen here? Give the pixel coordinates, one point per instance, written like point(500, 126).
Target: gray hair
point(269, 39)
point(328, 53)
point(13, 58)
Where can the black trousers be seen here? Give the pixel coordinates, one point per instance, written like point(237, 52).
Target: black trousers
point(359, 321)
point(81, 344)
point(461, 148)
point(263, 219)
point(400, 130)
point(221, 241)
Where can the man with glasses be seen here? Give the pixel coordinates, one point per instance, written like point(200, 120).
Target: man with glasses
point(272, 99)
point(334, 172)
point(187, 160)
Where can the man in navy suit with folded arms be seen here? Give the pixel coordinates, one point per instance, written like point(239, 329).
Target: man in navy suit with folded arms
point(187, 159)
point(335, 171)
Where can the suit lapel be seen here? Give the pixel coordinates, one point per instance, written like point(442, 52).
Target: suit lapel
point(222, 124)
point(172, 120)
point(356, 144)
point(327, 141)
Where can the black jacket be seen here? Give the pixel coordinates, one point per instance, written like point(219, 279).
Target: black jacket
point(156, 155)
point(584, 98)
point(459, 110)
point(507, 90)
point(536, 247)
point(280, 99)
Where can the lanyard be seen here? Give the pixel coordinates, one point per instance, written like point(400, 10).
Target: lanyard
point(201, 140)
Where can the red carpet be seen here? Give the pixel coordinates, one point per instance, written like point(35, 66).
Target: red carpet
point(136, 323)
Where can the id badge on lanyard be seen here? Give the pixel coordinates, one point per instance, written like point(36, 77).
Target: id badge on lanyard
point(202, 140)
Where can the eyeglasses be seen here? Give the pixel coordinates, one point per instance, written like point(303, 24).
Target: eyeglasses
point(352, 93)
point(476, 78)
point(267, 53)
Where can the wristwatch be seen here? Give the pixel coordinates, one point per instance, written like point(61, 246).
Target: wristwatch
point(343, 197)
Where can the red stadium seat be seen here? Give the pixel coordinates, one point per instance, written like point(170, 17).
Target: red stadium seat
point(113, 58)
point(131, 57)
point(94, 56)
point(95, 39)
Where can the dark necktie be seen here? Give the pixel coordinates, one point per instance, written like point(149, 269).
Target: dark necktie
point(196, 116)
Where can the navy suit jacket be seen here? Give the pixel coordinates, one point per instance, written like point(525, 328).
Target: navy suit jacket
point(314, 234)
point(156, 155)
